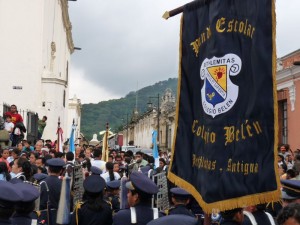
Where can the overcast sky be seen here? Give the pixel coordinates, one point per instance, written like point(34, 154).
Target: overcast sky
point(127, 45)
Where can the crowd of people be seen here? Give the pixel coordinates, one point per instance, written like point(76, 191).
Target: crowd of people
point(41, 163)
point(101, 201)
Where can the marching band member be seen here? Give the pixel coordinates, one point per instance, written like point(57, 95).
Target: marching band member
point(25, 208)
point(180, 198)
point(50, 196)
point(94, 210)
point(9, 196)
point(112, 194)
point(141, 188)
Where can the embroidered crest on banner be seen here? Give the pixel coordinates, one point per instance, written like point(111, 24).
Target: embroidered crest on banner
point(218, 93)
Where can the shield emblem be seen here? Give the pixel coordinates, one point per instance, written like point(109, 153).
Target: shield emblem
point(218, 93)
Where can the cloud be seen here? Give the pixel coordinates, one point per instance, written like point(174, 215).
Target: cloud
point(125, 42)
point(89, 92)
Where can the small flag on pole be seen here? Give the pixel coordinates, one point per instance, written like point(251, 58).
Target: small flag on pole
point(63, 212)
point(59, 134)
point(105, 145)
point(72, 138)
point(155, 150)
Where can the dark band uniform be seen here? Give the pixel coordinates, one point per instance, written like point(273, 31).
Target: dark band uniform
point(142, 213)
point(228, 217)
point(9, 196)
point(50, 191)
point(54, 186)
point(113, 199)
point(179, 193)
point(259, 217)
point(83, 215)
point(29, 195)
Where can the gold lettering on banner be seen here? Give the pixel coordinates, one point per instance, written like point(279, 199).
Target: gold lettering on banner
point(242, 132)
point(245, 168)
point(205, 134)
point(235, 26)
point(203, 163)
point(204, 36)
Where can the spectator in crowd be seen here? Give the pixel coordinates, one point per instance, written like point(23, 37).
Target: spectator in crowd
point(40, 162)
point(110, 175)
point(97, 162)
point(27, 146)
point(21, 169)
point(14, 154)
point(88, 153)
point(284, 150)
point(289, 215)
point(4, 174)
point(77, 152)
point(116, 167)
point(9, 126)
point(41, 126)
point(4, 157)
point(38, 147)
point(289, 161)
point(33, 157)
point(20, 146)
point(15, 116)
point(162, 166)
point(139, 161)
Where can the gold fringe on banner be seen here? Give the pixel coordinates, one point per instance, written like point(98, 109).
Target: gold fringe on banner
point(258, 198)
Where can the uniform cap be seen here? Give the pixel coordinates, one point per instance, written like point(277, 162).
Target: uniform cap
point(115, 184)
point(141, 183)
point(40, 176)
point(29, 192)
point(9, 193)
point(290, 189)
point(174, 219)
point(94, 184)
point(179, 192)
point(145, 169)
point(95, 170)
point(57, 162)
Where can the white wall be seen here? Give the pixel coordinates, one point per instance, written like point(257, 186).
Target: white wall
point(27, 29)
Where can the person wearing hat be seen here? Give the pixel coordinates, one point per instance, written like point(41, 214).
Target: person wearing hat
point(174, 219)
point(55, 169)
point(112, 194)
point(290, 192)
point(232, 217)
point(24, 210)
point(94, 210)
point(9, 196)
point(95, 171)
point(139, 196)
point(180, 198)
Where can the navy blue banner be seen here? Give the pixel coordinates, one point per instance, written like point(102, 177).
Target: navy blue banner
point(226, 129)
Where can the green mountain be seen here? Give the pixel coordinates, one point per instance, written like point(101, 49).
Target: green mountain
point(95, 116)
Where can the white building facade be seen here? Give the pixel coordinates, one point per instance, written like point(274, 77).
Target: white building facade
point(140, 129)
point(36, 44)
